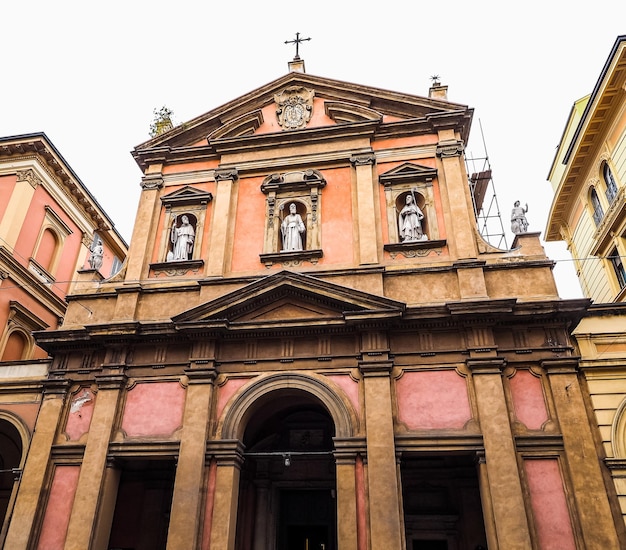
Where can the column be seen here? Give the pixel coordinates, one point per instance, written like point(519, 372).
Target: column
point(261, 514)
point(229, 456)
point(221, 221)
point(36, 466)
point(92, 471)
point(505, 487)
point(347, 521)
point(455, 193)
point(485, 499)
point(366, 208)
point(187, 499)
point(108, 499)
point(593, 508)
point(384, 508)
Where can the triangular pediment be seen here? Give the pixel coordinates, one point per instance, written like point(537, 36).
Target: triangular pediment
point(289, 299)
point(187, 195)
point(344, 103)
point(408, 172)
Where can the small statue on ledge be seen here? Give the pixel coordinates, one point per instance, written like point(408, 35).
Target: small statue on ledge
point(95, 258)
point(519, 223)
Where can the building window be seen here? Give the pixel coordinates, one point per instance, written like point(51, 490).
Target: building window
point(598, 212)
point(618, 266)
point(609, 180)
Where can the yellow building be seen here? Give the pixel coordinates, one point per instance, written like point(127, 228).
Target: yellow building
point(589, 213)
point(310, 346)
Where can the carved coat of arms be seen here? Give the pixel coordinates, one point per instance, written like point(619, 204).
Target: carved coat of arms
point(294, 107)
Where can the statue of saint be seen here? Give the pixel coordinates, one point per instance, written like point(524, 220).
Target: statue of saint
point(182, 238)
point(519, 223)
point(292, 229)
point(95, 258)
point(410, 222)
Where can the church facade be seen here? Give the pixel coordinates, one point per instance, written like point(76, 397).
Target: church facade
point(310, 346)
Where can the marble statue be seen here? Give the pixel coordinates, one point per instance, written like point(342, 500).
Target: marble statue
point(519, 223)
point(182, 240)
point(410, 221)
point(292, 229)
point(95, 258)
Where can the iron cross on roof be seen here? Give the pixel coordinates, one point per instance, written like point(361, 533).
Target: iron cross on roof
point(297, 42)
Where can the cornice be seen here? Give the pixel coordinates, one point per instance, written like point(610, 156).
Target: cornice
point(35, 149)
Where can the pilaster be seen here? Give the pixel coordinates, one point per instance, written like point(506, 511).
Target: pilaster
point(346, 451)
point(502, 471)
point(17, 208)
point(187, 498)
point(592, 502)
point(222, 221)
point(142, 241)
point(384, 498)
point(366, 208)
point(229, 457)
point(92, 471)
point(36, 466)
point(455, 191)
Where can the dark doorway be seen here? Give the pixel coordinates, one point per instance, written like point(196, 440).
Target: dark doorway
point(442, 506)
point(306, 520)
point(10, 458)
point(430, 545)
point(287, 483)
point(142, 509)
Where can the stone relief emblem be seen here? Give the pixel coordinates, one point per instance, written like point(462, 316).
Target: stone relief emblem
point(294, 107)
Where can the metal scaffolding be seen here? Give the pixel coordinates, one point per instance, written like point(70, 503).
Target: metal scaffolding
point(484, 198)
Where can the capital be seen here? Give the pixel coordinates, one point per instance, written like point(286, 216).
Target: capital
point(363, 159)
point(224, 174)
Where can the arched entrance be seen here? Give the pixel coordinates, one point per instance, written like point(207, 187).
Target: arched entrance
point(287, 487)
point(11, 454)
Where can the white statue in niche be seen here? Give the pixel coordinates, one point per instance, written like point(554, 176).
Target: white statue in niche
point(410, 221)
point(182, 238)
point(292, 229)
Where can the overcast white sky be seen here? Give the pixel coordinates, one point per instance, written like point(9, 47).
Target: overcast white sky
point(90, 74)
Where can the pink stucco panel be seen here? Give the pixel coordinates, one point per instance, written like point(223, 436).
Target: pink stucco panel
point(433, 400)
point(549, 504)
point(81, 411)
point(153, 409)
point(226, 391)
point(350, 387)
point(57, 516)
point(528, 399)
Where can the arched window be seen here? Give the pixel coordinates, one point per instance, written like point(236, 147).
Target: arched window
point(609, 180)
point(598, 212)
